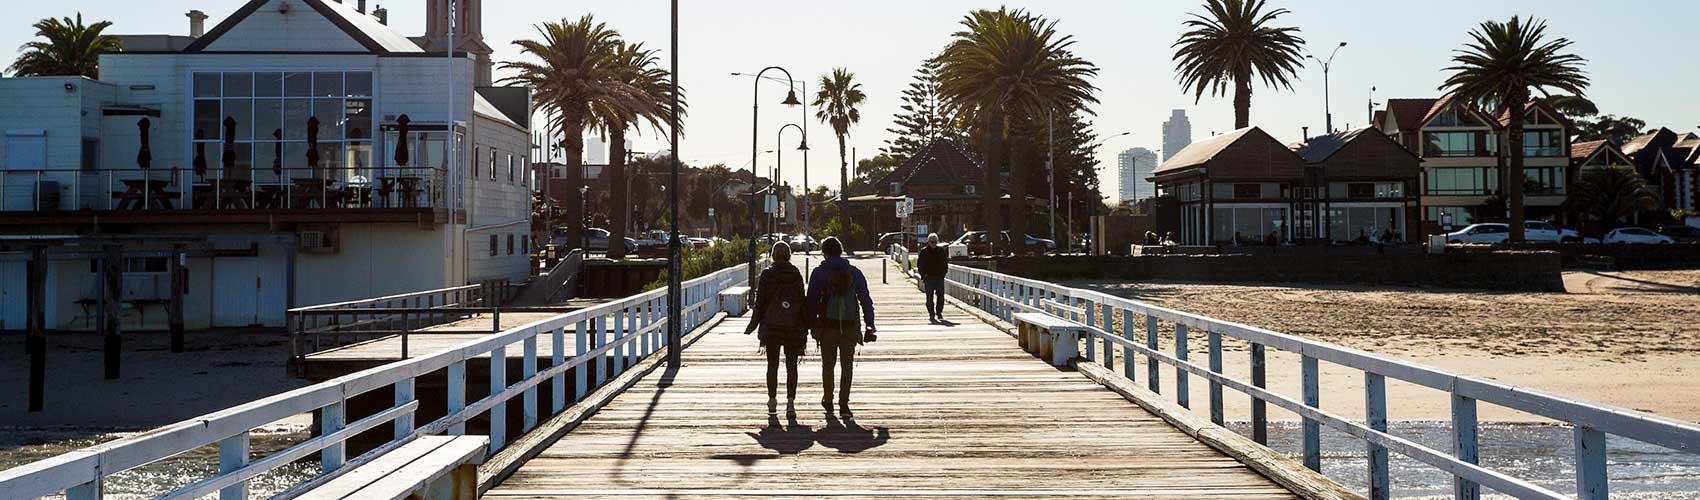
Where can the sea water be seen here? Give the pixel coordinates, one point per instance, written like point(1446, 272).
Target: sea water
point(20, 446)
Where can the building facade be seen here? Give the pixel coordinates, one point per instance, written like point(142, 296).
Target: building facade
point(1177, 134)
point(1235, 188)
point(1361, 187)
point(1134, 167)
point(304, 143)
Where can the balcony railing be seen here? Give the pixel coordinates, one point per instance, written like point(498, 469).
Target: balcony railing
point(162, 189)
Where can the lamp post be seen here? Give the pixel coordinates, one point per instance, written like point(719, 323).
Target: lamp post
point(675, 292)
point(1328, 112)
point(1371, 116)
point(755, 128)
point(785, 190)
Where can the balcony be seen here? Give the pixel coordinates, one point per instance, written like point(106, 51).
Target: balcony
point(175, 195)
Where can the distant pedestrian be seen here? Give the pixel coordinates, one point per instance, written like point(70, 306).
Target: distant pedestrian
point(782, 313)
point(1151, 239)
point(934, 263)
point(836, 289)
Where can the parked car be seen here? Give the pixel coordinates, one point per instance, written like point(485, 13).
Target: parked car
point(803, 243)
point(912, 242)
point(984, 243)
point(700, 242)
point(1535, 230)
point(1494, 232)
point(1636, 235)
point(596, 240)
point(1681, 233)
point(1048, 244)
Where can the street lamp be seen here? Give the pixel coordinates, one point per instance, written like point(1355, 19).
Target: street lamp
point(1327, 111)
point(755, 128)
point(779, 162)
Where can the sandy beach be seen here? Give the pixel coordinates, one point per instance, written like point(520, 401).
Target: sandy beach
point(1629, 339)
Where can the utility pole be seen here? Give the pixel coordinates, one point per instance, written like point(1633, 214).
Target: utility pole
point(1050, 168)
point(674, 285)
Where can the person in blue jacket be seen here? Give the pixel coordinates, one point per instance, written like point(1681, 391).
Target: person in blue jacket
point(844, 318)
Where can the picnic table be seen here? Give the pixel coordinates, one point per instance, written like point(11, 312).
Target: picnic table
point(144, 193)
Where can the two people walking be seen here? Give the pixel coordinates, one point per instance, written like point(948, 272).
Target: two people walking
point(835, 309)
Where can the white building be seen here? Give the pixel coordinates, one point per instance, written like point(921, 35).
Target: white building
point(227, 120)
point(1135, 166)
point(1177, 134)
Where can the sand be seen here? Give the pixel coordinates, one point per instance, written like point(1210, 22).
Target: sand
point(1629, 339)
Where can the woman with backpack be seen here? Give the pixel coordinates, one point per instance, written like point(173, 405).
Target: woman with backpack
point(782, 314)
point(837, 292)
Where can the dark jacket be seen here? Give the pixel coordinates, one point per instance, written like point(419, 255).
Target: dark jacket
point(769, 287)
point(934, 261)
point(819, 279)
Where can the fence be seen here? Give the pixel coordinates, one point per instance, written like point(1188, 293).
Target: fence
point(325, 326)
point(217, 189)
point(1003, 296)
point(637, 325)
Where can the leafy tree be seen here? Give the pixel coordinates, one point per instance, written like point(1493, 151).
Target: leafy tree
point(838, 104)
point(1233, 43)
point(870, 171)
point(70, 48)
point(1618, 129)
point(1501, 68)
point(1573, 106)
point(644, 94)
point(923, 117)
point(1610, 194)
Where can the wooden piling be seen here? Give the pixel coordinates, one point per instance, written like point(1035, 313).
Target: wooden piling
point(112, 295)
point(179, 285)
point(36, 342)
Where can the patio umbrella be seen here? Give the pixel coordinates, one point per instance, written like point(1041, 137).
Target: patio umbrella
point(277, 153)
point(144, 158)
point(200, 162)
point(229, 159)
point(401, 156)
point(313, 143)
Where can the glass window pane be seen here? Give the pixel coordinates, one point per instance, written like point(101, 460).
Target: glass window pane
point(238, 84)
point(358, 84)
point(331, 160)
point(357, 117)
point(294, 159)
point(206, 120)
point(268, 118)
point(295, 113)
point(327, 84)
point(244, 162)
point(298, 85)
point(242, 110)
point(329, 112)
point(1222, 224)
point(265, 154)
point(208, 85)
point(268, 84)
point(358, 157)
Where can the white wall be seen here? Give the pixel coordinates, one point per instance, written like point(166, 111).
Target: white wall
point(67, 116)
point(301, 29)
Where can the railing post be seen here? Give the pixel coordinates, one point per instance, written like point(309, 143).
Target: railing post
point(1591, 480)
point(558, 357)
point(619, 352)
point(1312, 398)
point(1214, 340)
point(1375, 414)
point(1108, 323)
point(1152, 367)
point(1259, 408)
point(1464, 445)
point(581, 345)
point(91, 490)
point(233, 455)
point(457, 395)
point(1183, 393)
point(331, 420)
point(1128, 366)
point(601, 330)
point(1091, 347)
point(403, 395)
point(499, 412)
point(528, 369)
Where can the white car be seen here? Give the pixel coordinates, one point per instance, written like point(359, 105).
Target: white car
point(1636, 235)
point(1494, 232)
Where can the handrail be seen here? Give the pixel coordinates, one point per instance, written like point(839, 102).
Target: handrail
point(180, 188)
point(637, 325)
point(365, 317)
point(1003, 295)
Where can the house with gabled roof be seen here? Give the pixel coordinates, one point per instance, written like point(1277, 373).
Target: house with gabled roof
point(305, 143)
point(942, 178)
point(1362, 187)
point(1668, 161)
point(1234, 188)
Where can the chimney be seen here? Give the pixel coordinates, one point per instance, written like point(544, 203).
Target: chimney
point(197, 23)
point(382, 14)
point(360, 6)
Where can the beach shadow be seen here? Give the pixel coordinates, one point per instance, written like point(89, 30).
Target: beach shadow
point(846, 436)
point(1649, 285)
point(787, 438)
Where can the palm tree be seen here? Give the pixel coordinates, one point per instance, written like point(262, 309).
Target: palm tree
point(70, 48)
point(1233, 43)
point(1610, 194)
point(1006, 70)
point(1501, 68)
point(575, 67)
point(836, 104)
point(643, 93)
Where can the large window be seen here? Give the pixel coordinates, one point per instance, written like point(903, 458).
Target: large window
point(1545, 143)
point(1544, 180)
point(265, 117)
point(1449, 144)
point(1365, 190)
point(1248, 226)
point(1460, 215)
point(1460, 181)
point(1364, 224)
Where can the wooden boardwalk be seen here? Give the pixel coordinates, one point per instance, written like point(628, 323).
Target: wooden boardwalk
point(940, 411)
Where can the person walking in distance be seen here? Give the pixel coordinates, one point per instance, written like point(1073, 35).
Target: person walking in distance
point(781, 312)
point(934, 263)
point(836, 289)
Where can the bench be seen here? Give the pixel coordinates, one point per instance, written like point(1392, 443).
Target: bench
point(428, 468)
point(735, 300)
point(1049, 337)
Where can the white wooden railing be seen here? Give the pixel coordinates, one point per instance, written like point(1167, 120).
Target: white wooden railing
point(1003, 295)
point(623, 332)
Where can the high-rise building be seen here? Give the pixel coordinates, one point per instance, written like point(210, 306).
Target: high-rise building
point(1177, 134)
point(1135, 166)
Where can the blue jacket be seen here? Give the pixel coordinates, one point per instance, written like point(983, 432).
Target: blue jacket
point(818, 282)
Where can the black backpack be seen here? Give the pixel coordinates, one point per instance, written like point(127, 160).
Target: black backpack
point(785, 307)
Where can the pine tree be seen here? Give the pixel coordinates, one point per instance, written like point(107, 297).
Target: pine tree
point(923, 118)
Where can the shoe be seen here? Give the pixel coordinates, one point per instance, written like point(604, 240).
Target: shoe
point(826, 403)
point(772, 406)
point(844, 409)
point(790, 409)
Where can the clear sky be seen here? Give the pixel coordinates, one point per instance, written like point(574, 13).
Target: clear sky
point(1638, 55)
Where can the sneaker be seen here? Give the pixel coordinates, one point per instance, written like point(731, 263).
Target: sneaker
point(790, 409)
point(844, 409)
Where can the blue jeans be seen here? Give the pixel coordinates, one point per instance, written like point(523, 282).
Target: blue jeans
point(933, 287)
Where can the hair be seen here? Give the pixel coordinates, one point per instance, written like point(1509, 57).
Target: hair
point(933, 239)
point(781, 252)
point(832, 247)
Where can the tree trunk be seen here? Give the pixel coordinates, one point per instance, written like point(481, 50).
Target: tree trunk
point(991, 189)
point(1018, 180)
point(575, 178)
point(1242, 101)
point(1514, 178)
point(843, 189)
point(621, 205)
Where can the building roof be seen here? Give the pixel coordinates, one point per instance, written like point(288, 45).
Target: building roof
point(1318, 149)
point(940, 162)
point(483, 107)
point(1504, 116)
point(1584, 150)
point(364, 29)
point(1410, 114)
point(1201, 152)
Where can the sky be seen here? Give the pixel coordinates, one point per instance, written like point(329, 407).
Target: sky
point(1636, 51)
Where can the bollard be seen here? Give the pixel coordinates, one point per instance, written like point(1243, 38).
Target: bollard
point(882, 276)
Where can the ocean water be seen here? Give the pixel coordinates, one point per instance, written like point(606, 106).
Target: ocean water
point(1541, 453)
point(20, 446)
